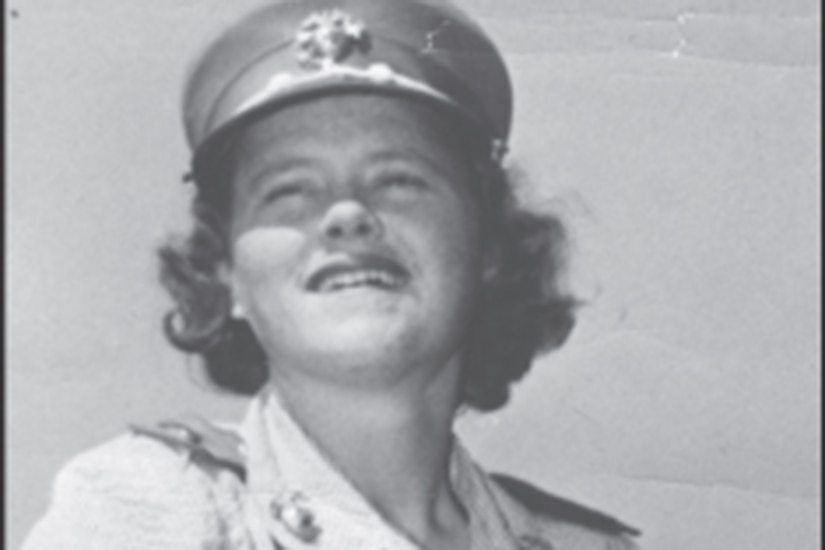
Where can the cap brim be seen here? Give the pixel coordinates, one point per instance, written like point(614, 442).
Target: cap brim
point(216, 147)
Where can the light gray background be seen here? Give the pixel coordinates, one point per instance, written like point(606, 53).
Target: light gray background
point(679, 138)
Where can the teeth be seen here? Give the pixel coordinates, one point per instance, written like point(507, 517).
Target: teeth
point(382, 279)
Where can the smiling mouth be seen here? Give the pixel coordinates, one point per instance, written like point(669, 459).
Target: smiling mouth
point(376, 273)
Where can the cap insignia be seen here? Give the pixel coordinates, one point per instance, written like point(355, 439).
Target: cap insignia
point(329, 37)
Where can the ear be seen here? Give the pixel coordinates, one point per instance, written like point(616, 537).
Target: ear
point(228, 278)
point(491, 259)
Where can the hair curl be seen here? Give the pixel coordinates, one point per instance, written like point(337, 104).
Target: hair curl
point(523, 309)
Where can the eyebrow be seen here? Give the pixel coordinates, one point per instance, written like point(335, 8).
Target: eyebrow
point(278, 166)
point(407, 155)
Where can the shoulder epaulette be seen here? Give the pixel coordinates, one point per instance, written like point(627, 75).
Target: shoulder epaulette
point(201, 439)
point(545, 504)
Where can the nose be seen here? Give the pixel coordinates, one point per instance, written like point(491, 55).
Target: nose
point(350, 219)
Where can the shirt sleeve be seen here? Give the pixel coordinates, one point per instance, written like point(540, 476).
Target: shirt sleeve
point(136, 493)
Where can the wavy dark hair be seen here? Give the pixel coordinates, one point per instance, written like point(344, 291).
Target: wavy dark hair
point(523, 310)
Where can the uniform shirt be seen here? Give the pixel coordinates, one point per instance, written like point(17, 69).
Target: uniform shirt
point(142, 492)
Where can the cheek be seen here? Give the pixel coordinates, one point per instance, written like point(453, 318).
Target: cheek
point(461, 235)
point(264, 255)
point(451, 243)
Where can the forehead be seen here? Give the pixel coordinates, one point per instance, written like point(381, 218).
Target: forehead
point(336, 124)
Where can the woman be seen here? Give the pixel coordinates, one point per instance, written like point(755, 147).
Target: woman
point(360, 266)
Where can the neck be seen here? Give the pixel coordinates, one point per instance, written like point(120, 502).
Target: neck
point(393, 446)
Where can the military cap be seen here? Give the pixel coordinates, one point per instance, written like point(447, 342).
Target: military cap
point(293, 50)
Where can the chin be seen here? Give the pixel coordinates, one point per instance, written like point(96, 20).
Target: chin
point(362, 341)
point(362, 332)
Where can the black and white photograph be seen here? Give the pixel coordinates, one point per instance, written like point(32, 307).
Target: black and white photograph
point(413, 275)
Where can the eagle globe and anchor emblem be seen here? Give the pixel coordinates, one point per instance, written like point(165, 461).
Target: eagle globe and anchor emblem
point(329, 37)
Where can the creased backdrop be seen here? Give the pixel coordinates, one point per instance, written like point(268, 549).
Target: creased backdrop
point(680, 140)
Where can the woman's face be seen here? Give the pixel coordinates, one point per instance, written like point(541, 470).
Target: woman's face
point(356, 246)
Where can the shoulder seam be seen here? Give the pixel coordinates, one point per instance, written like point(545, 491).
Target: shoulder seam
point(552, 506)
point(181, 438)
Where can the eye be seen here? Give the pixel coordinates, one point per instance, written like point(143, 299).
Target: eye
point(403, 180)
point(283, 191)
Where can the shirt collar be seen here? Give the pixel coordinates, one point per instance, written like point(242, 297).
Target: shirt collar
point(298, 497)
